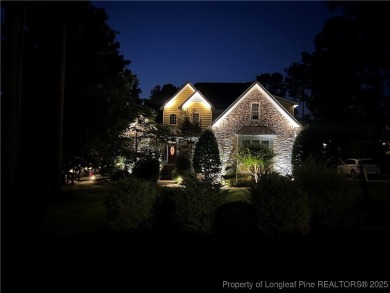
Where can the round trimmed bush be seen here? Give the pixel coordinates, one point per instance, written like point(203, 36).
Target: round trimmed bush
point(281, 207)
point(327, 192)
point(196, 205)
point(130, 204)
point(147, 169)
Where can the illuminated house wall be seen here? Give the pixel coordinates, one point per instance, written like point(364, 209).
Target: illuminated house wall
point(187, 101)
point(275, 124)
point(272, 116)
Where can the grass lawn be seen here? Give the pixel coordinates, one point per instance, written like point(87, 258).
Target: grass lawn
point(81, 211)
point(238, 194)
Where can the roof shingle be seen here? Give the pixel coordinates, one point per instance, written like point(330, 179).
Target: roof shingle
point(255, 130)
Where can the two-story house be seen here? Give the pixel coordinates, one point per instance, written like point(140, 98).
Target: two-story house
point(239, 114)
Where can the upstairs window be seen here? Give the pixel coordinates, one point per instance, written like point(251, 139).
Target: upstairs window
point(255, 111)
point(172, 119)
point(196, 118)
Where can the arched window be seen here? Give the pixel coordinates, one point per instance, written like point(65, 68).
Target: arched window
point(172, 119)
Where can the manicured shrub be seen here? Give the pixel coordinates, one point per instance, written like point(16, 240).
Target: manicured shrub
point(147, 169)
point(206, 160)
point(327, 191)
point(130, 204)
point(281, 207)
point(167, 172)
point(196, 205)
point(183, 164)
point(119, 174)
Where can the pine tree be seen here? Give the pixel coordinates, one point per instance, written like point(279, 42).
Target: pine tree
point(206, 157)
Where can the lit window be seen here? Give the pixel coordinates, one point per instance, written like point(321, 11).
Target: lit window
point(195, 118)
point(265, 142)
point(255, 113)
point(255, 142)
point(172, 119)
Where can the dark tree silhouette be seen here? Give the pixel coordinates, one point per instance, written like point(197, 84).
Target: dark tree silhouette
point(274, 83)
point(351, 66)
point(100, 93)
point(298, 81)
point(158, 96)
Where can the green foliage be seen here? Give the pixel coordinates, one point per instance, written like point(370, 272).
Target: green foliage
point(119, 174)
point(163, 132)
point(167, 172)
point(327, 192)
point(130, 204)
point(197, 203)
point(183, 167)
point(189, 128)
point(147, 169)
point(242, 180)
point(182, 164)
point(307, 143)
point(281, 207)
point(102, 94)
point(256, 158)
point(310, 143)
point(206, 157)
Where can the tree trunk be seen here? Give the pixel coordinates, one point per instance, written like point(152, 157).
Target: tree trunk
point(16, 15)
point(60, 109)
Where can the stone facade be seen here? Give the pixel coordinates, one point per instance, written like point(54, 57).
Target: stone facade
point(225, 129)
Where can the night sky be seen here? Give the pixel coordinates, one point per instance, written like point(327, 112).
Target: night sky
point(176, 42)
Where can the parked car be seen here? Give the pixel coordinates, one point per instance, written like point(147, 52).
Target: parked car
point(354, 167)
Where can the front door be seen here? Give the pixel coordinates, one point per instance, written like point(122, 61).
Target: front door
point(171, 150)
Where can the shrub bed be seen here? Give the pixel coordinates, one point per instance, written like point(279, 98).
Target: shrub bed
point(130, 204)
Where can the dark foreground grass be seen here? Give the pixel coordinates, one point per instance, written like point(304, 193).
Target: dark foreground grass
point(75, 253)
point(81, 211)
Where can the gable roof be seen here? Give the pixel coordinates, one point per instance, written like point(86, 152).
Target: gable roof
point(292, 103)
point(222, 94)
point(178, 93)
point(270, 98)
point(194, 96)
